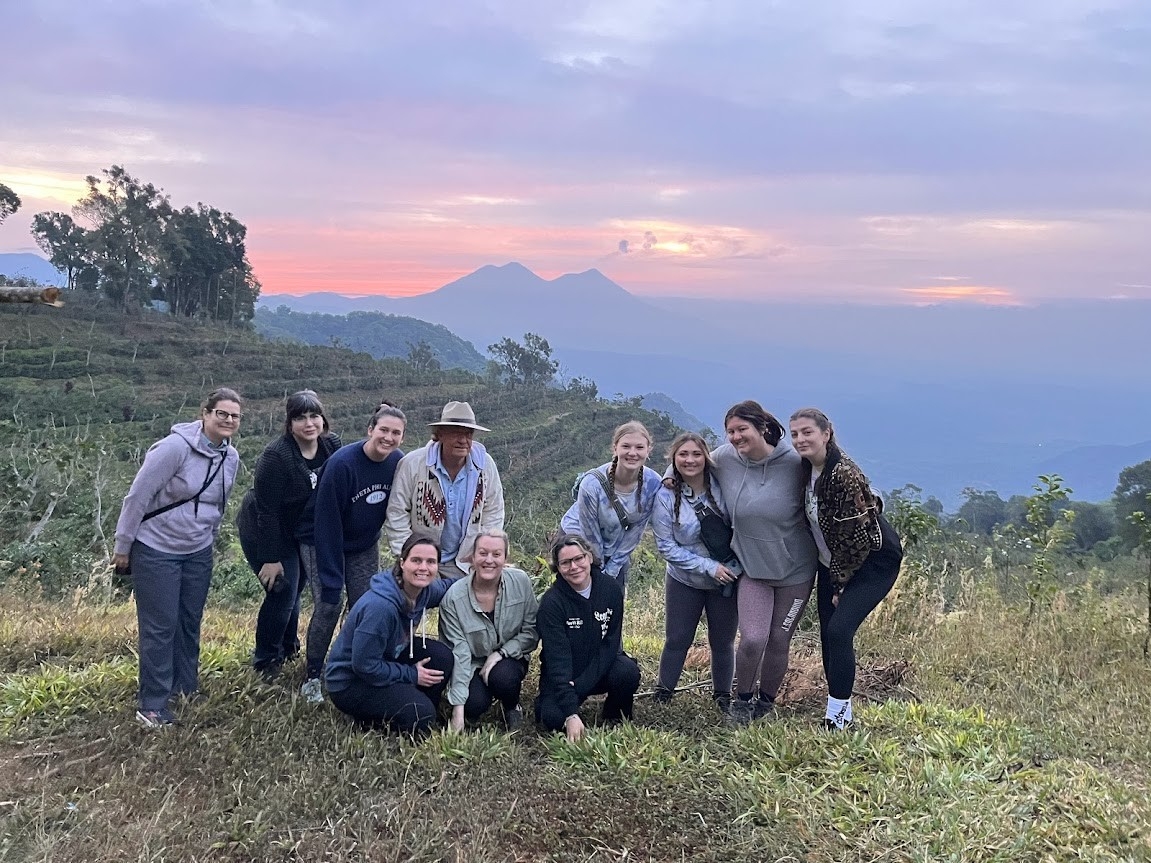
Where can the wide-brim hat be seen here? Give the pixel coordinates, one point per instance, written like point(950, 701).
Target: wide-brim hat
point(458, 414)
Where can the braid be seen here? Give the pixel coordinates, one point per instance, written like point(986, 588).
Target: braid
point(611, 477)
point(678, 485)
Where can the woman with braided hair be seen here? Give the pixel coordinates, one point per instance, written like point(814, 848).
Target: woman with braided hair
point(615, 501)
point(859, 552)
point(696, 579)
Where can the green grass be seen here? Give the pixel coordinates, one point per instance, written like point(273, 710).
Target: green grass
point(986, 737)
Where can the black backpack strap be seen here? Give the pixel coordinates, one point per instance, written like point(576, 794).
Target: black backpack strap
point(170, 506)
point(620, 512)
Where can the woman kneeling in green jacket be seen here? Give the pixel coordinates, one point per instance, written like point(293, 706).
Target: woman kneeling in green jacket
point(489, 621)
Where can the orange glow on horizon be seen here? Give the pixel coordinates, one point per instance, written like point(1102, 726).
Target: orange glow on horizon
point(964, 293)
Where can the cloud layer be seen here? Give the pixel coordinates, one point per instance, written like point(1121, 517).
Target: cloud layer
point(890, 151)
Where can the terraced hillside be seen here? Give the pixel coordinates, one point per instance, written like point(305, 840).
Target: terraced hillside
point(85, 390)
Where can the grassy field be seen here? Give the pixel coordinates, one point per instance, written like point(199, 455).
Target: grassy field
point(983, 736)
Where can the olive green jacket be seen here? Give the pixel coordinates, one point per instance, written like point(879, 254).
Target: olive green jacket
point(473, 637)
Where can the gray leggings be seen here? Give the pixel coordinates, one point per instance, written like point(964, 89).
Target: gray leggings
point(767, 619)
point(685, 606)
point(358, 572)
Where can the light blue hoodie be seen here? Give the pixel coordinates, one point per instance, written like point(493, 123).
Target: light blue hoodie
point(593, 517)
point(680, 541)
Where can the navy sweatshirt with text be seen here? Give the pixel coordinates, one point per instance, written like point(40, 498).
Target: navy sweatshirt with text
point(351, 502)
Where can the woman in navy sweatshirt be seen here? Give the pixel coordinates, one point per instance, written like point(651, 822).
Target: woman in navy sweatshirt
point(580, 623)
point(381, 671)
point(351, 503)
point(272, 529)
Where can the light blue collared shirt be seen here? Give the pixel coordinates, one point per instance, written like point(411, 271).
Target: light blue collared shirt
point(458, 495)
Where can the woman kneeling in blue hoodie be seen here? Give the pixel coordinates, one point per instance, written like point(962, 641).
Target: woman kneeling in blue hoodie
point(380, 671)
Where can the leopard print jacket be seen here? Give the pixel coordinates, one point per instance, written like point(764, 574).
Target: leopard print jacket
point(848, 517)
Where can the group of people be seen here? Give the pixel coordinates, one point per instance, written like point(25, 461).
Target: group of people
point(746, 531)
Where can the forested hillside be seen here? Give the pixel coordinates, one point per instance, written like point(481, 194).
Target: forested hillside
point(85, 389)
point(424, 345)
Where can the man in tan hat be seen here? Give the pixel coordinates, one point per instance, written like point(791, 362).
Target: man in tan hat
point(449, 490)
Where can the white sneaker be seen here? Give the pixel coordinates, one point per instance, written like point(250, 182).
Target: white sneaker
point(313, 691)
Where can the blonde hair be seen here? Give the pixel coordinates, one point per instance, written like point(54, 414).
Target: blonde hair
point(631, 427)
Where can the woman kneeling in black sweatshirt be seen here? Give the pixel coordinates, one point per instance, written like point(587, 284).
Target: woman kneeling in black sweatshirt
point(580, 624)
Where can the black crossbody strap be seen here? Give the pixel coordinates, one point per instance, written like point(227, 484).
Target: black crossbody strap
point(620, 512)
point(169, 506)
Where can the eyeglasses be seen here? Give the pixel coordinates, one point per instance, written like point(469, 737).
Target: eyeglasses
point(569, 562)
point(223, 416)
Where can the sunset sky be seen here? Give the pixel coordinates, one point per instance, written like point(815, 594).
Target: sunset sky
point(906, 151)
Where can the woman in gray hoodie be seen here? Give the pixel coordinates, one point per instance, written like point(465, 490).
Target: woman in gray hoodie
point(761, 478)
point(170, 518)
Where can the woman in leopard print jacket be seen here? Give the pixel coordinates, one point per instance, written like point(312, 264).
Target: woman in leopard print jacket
point(859, 552)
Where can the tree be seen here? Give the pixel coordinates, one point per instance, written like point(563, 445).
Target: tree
point(201, 264)
point(127, 223)
point(528, 364)
point(1131, 497)
point(1049, 531)
point(1142, 525)
point(422, 358)
point(583, 388)
point(1094, 523)
point(982, 510)
point(63, 241)
point(907, 514)
point(9, 202)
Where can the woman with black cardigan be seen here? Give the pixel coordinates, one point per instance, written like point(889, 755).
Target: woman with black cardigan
point(272, 529)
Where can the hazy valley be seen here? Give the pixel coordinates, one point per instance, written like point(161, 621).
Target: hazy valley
point(944, 397)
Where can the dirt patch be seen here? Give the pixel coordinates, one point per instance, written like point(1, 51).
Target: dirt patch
point(805, 685)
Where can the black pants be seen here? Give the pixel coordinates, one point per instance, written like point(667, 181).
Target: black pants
point(620, 684)
point(505, 681)
point(404, 706)
point(839, 623)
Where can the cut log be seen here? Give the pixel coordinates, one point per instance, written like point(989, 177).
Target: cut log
point(47, 296)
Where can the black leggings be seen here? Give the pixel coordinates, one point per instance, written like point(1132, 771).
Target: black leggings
point(504, 683)
point(404, 706)
point(620, 683)
point(685, 606)
point(839, 623)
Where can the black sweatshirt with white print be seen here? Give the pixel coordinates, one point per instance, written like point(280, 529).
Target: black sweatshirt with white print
point(580, 639)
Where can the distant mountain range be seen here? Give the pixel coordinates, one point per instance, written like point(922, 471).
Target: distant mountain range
point(942, 397)
point(28, 265)
point(575, 310)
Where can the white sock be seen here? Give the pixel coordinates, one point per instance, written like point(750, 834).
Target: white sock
point(838, 711)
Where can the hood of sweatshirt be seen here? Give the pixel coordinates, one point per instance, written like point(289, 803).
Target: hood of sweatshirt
point(384, 585)
point(193, 433)
point(779, 452)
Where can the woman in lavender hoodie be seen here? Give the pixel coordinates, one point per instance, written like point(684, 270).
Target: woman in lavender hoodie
point(170, 517)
